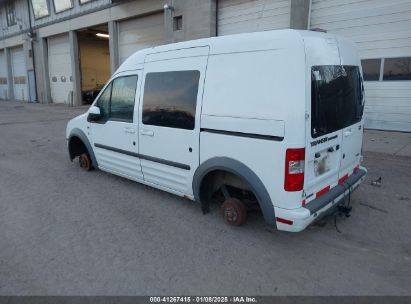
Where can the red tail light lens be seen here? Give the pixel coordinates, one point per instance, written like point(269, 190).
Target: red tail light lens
point(294, 169)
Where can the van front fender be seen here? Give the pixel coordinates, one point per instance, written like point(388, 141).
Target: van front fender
point(242, 171)
point(82, 136)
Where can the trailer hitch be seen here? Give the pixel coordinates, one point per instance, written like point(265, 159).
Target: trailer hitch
point(345, 210)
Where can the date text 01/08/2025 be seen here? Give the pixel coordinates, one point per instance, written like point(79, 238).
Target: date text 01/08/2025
point(200, 299)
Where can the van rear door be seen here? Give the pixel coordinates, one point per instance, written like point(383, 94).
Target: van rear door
point(352, 109)
point(323, 136)
point(335, 127)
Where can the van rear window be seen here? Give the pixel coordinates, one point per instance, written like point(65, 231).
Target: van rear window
point(336, 98)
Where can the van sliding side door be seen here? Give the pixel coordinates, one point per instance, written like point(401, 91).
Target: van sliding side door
point(169, 123)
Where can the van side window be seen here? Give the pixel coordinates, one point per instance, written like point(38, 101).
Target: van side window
point(170, 99)
point(122, 98)
point(104, 102)
point(117, 100)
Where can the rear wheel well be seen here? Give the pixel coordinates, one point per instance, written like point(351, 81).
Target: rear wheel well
point(211, 187)
point(76, 147)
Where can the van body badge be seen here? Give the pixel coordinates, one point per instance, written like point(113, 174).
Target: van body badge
point(323, 140)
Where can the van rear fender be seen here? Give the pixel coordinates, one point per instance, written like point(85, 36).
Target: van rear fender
point(237, 168)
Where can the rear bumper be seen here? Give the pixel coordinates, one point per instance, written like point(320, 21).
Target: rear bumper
point(319, 207)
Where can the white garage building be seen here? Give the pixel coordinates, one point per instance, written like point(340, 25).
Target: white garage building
point(3, 76)
point(63, 48)
point(382, 32)
point(139, 33)
point(59, 64)
point(380, 28)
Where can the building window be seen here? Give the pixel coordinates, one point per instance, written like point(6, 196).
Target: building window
point(40, 8)
point(62, 5)
point(178, 23)
point(371, 69)
point(397, 68)
point(170, 99)
point(20, 80)
point(11, 14)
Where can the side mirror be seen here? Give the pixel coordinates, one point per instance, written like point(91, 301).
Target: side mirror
point(94, 114)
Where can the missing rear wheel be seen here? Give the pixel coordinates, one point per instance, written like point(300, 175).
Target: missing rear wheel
point(234, 211)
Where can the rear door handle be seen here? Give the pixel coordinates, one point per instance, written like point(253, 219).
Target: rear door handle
point(147, 132)
point(129, 131)
point(347, 133)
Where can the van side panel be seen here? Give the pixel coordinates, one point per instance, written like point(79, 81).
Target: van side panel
point(249, 85)
point(256, 93)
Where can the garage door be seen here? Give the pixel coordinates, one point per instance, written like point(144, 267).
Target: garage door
point(19, 73)
point(241, 16)
point(140, 33)
point(3, 76)
point(382, 32)
point(59, 61)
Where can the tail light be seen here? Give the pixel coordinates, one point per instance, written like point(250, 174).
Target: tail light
point(294, 169)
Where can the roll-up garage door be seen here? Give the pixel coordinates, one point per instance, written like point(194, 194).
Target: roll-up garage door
point(140, 33)
point(241, 16)
point(19, 72)
point(60, 70)
point(3, 76)
point(381, 30)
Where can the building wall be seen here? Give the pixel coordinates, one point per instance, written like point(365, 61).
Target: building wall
point(238, 16)
point(78, 9)
point(380, 29)
point(198, 19)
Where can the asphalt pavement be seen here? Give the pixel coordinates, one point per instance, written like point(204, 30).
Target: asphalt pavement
point(64, 231)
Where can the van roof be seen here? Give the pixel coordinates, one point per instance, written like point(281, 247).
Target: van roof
point(246, 42)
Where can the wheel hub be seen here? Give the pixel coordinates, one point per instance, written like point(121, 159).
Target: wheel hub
point(230, 214)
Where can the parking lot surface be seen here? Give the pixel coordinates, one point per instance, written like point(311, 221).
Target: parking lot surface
point(64, 231)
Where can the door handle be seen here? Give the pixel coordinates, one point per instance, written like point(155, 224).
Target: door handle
point(147, 132)
point(347, 133)
point(129, 131)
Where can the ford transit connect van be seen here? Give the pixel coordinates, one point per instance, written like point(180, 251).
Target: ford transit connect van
point(269, 120)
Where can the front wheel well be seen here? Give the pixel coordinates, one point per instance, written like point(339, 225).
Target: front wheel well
point(76, 147)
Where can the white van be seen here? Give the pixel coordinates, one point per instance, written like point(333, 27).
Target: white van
point(270, 120)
